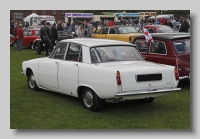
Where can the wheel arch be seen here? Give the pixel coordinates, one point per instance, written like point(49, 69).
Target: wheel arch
point(80, 87)
point(28, 70)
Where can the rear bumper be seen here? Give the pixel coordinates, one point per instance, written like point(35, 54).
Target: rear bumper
point(139, 95)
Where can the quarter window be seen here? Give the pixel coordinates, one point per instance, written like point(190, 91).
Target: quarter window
point(151, 30)
point(158, 47)
point(29, 33)
point(74, 53)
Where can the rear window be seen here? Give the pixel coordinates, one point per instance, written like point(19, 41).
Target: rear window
point(182, 46)
point(166, 29)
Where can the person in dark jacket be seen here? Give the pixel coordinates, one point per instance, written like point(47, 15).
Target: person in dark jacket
point(169, 23)
point(184, 26)
point(60, 27)
point(27, 25)
point(46, 37)
point(54, 35)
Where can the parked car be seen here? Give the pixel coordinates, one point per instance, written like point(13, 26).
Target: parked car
point(168, 48)
point(98, 70)
point(117, 32)
point(157, 29)
point(30, 36)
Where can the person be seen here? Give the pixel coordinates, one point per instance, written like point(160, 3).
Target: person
point(157, 22)
point(46, 37)
point(54, 35)
point(184, 26)
point(54, 24)
point(27, 25)
point(162, 21)
point(60, 27)
point(111, 23)
point(169, 23)
point(16, 25)
point(80, 31)
point(141, 22)
point(87, 29)
point(19, 37)
point(98, 28)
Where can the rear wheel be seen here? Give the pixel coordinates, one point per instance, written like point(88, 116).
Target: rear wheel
point(32, 82)
point(90, 100)
point(147, 100)
point(38, 48)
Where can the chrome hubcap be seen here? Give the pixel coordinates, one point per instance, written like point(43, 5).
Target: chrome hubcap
point(88, 98)
point(32, 81)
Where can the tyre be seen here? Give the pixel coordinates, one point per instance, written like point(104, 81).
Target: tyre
point(32, 46)
point(90, 100)
point(32, 82)
point(38, 48)
point(147, 100)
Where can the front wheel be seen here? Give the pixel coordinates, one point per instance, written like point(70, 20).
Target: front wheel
point(90, 100)
point(32, 82)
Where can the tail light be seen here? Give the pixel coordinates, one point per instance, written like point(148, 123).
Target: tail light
point(118, 78)
point(176, 73)
point(178, 64)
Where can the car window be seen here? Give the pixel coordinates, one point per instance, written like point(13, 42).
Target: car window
point(29, 33)
point(165, 29)
point(182, 46)
point(104, 31)
point(112, 31)
point(25, 32)
point(37, 33)
point(142, 45)
point(158, 47)
point(151, 30)
point(126, 29)
point(115, 53)
point(60, 51)
point(74, 53)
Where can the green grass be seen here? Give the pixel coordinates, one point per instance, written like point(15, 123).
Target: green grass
point(49, 110)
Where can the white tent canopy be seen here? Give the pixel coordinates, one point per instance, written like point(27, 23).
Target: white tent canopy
point(28, 18)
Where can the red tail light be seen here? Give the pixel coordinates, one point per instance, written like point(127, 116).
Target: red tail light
point(178, 64)
point(118, 78)
point(176, 73)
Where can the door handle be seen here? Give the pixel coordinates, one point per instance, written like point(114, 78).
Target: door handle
point(56, 62)
point(76, 65)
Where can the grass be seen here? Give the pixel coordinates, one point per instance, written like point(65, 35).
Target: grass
point(49, 110)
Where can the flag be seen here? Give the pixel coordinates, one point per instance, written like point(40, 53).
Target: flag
point(148, 36)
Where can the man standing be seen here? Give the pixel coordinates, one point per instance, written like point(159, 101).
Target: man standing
point(54, 35)
point(46, 37)
point(19, 37)
point(184, 26)
point(87, 29)
point(111, 23)
point(169, 23)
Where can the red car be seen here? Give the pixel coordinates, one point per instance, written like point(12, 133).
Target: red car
point(168, 48)
point(157, 29)
point(30, 35)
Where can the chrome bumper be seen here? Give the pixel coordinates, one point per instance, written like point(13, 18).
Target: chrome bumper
point(145, 93)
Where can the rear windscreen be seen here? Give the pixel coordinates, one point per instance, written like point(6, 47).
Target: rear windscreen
point(182, 46)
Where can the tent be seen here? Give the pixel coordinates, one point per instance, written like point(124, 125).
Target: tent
point(28, 18)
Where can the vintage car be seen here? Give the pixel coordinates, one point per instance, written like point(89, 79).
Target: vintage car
point(168, 48)
point(117, 32)
point(30, 36)
point(99, 70)
point(157, 29)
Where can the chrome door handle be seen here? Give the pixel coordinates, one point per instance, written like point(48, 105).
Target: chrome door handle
point(56, 62)
point(76, 65)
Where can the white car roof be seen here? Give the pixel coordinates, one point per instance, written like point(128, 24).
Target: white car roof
point(95, 42)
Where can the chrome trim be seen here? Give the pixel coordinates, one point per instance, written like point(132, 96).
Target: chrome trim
point(184, 77)
point(147, 92)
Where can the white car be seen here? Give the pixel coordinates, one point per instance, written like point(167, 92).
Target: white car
point(99, 70)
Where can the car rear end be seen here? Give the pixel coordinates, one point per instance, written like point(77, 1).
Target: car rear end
point(182, 49)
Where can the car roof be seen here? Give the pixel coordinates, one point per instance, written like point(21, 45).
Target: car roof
point(90, 42)
point(116, 26)
point(168, 36)
point(155, 26)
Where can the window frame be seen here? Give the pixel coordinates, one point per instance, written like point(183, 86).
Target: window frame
point(110, 28)
point(157, 53)
point(141, 41)
point(43, 11)
point(54, 51)
point(53, 11)
point(102, 29)
point(28, 32)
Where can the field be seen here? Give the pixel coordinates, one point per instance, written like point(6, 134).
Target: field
point(49, 110)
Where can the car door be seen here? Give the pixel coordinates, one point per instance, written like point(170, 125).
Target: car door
point(48, 68)
point(112, 34)
point(29, 35)
point(158, 53)
point(68, 69)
